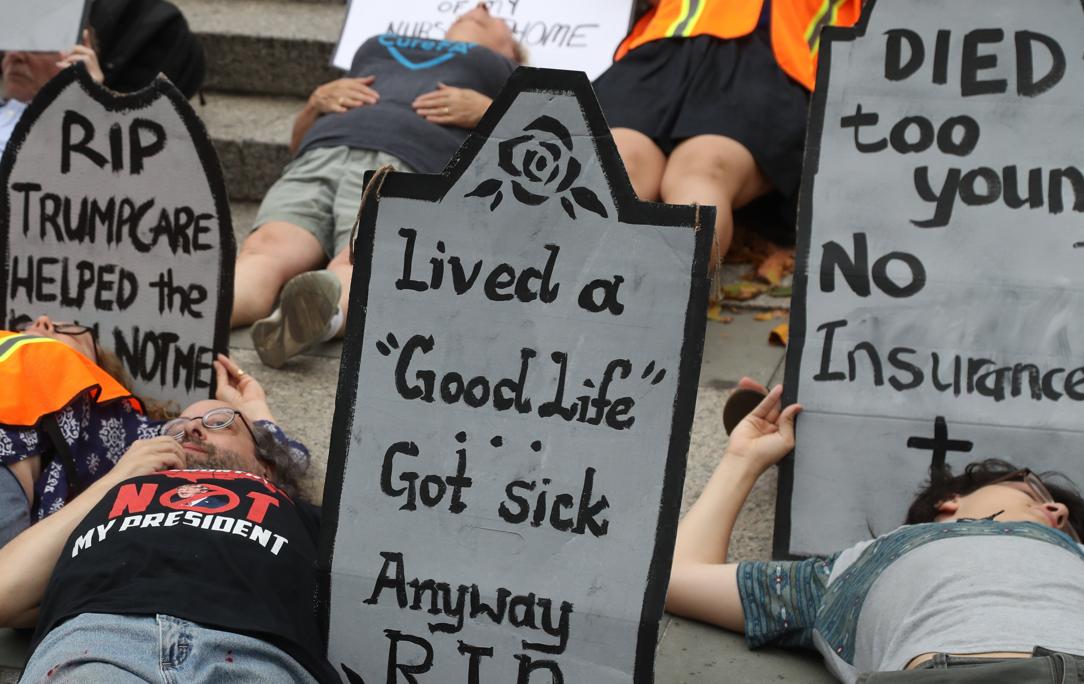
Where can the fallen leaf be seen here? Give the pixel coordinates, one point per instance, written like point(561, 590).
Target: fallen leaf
point(779, 335)
point(743, 291)
point(771, 315)
point(715, 313)
point(777, 264)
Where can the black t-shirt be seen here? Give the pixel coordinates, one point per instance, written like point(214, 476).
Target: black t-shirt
point(406, 68)
point(223, 549)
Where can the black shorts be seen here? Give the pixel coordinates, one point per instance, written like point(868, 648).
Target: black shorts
point(676, 88)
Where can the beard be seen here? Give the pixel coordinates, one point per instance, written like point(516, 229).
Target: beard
point(215, 458)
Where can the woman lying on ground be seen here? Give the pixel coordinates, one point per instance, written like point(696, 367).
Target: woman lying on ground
point(983, 583)
point(66, 418)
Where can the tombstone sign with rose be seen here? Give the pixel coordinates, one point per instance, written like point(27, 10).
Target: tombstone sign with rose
point(514, 408)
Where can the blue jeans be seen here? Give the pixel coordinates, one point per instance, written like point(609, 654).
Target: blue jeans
point(1044, 667)
point(123, 649)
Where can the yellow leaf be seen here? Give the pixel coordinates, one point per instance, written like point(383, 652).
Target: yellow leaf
point(715, 313)
point(743, 291)
point(771, 315)
point(776, 265)
point(779, 335)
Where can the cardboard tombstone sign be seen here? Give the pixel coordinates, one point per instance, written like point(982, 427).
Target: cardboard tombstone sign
point(113, 214)
point(514, 407)
point(41, 25)
point(558, 34)
point(939, 300)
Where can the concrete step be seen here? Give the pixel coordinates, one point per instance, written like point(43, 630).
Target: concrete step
point(266, 47)
point(251, 134)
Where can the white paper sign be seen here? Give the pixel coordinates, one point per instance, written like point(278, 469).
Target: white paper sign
point(939, 311)
point(40, 25)
point(514, 408)
point(113, 213)
point(558, 34)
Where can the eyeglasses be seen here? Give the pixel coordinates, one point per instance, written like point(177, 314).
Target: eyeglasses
point(1039, 492)
point(70, 329)
point(215, 419)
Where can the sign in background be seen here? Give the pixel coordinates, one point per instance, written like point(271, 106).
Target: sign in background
point(939, 312)
point(41, 25)
point(558, 34)
point(113, 213)
point(514, 408)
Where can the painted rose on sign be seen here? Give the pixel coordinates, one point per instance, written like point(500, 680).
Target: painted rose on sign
point(540, 165)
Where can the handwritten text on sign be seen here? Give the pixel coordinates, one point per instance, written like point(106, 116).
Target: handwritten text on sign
point(560, 34)
point(113, 223)
point(515, 397)
point(943, 318)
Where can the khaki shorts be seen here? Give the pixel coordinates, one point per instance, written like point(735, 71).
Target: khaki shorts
point(320, 191)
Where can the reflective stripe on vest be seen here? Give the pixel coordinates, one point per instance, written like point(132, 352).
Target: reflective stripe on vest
point(41, 375)
point(827, 15)
point(796, 27)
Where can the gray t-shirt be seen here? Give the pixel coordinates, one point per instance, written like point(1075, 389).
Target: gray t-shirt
point(964, 587)
point(406, 68)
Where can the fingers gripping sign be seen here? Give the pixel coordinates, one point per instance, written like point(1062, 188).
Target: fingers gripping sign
point(766, 435)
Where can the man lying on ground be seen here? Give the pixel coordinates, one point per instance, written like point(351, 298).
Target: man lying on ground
point(983, 583)
point(192, 560)
point(66, 418)
point(408, 103)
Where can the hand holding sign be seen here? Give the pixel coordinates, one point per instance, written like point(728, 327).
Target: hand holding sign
point(82, 54)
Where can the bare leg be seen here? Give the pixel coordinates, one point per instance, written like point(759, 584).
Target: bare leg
point(644, 162)
point(712, 169)
point(271, 255)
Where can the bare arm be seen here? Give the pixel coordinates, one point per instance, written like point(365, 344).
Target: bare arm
point(27, 562)
point(703, 585)
point(332, 98)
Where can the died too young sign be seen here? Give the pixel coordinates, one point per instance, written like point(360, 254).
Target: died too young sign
point(558, 34)
point(941, 322)
point(514, 408)
point(113, 214)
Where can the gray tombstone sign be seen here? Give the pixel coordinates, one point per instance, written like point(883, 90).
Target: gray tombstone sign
point(939, 304)
point(514, 408)
point(113, 214)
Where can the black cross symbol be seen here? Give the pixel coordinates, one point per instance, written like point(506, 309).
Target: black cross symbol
point(940, 444)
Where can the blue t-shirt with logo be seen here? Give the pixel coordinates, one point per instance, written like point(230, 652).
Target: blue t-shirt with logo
point(404, 69)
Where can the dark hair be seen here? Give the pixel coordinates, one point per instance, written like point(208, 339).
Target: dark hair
point(287, 470)
point(943, 485)
point(154, 409)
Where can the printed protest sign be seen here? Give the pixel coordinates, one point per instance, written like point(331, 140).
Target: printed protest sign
point(113, 213)
point(558, 34)
point(42, 25)
point(939, 306)
point(514, 408)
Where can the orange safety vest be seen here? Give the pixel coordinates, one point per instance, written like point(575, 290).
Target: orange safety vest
point(40, 375)
point(796, 27)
